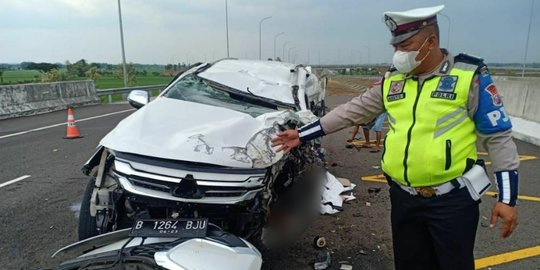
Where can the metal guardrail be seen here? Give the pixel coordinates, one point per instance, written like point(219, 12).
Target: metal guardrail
point(114, 91)
point(367, 77)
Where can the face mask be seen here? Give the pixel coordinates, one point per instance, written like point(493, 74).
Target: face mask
point(405, 62)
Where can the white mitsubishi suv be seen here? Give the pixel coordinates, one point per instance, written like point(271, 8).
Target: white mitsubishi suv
point(202, 149)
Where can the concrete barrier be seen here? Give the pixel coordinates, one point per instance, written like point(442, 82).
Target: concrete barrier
point(29, 99)
point(521, 98)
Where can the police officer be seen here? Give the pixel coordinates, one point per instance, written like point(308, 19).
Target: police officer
point(438, 106)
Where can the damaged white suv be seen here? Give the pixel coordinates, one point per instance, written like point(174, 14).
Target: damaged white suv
point(202, 149)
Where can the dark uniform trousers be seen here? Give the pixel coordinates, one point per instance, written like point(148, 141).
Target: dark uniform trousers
point(436, 233)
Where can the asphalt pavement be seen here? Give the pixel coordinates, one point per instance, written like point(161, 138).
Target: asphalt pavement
point(36, 214)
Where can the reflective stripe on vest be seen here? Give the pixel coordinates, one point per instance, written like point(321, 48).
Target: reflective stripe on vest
point(431, 137)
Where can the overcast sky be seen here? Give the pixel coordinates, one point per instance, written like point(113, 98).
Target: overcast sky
point(172, 31)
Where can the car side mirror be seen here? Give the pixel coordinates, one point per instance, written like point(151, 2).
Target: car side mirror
point(138, 98)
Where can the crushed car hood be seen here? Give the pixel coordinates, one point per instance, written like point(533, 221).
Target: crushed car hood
point(187, 131)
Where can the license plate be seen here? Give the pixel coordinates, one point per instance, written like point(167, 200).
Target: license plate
point(178, 228)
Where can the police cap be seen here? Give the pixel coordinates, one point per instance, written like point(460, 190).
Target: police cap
point(405, 24)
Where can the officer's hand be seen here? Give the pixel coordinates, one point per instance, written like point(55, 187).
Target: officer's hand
point(286, 140)
point(509, 216)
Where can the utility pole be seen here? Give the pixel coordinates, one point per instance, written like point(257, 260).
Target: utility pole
point(122, 42)
point(260, 27)
point(275, 39)
point(227, 26)
point(289, 54)
point(283, 52)
point(527, 42)
point(448, 31)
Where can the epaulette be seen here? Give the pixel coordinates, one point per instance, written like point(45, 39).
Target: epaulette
point(469, 59)
point(391, 71)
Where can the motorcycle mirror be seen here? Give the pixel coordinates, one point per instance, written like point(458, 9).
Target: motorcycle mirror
point(138, 98)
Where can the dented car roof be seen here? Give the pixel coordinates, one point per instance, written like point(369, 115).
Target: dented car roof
point(269, 79)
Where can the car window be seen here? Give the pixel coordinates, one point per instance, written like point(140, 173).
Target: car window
point(194, 89)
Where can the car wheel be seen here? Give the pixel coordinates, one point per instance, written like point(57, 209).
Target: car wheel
point(87, 223)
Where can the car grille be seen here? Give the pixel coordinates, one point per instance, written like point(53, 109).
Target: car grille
point(217, 186)
point(170, 186)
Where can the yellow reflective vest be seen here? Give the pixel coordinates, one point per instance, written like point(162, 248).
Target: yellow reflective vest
point(432, 139)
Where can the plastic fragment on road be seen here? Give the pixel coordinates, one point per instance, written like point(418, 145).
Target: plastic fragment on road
point(346, 267)
point(347, 198)
point(332, 200)
point(323, 260)
point(344, 181)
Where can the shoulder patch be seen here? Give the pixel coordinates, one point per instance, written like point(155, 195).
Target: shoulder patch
point(496, 98)
point(490, 117)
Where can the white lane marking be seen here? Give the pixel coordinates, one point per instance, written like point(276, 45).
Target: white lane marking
point(60, 124)
point(14, 180)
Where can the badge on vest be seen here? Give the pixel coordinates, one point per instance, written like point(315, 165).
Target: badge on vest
point(396, 91)
point(445, 88)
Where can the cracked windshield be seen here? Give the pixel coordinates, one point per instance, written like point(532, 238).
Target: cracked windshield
point(194, 89)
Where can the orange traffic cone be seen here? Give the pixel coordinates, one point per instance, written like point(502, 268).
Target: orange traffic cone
point(72, 131)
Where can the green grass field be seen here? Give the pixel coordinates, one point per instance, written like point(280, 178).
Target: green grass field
point(20, 76)
point(104, 82)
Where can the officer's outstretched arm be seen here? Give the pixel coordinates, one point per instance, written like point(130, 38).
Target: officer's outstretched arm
point(358, 110)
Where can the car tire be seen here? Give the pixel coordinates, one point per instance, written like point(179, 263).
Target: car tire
point(87, 223)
